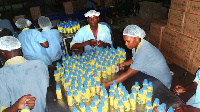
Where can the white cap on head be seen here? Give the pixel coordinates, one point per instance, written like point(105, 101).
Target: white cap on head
point(9, 43)
point(134, 31)
point(22, 23)
point(92, 13)
point(44, 23)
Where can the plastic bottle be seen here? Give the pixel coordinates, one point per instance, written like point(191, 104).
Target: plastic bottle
point(56, 76)
point(141, 97)
point(145, 82)
point(58, 92)
point(156, 102)
point(136, 86)
point(114, 84)
point(105, 94)
point(77, 98)
point(99, 71)
point(100, 108)
point(98, 87)
point(104, 73)
point(84, 97)
point(149, 96)
point(145, 90)
point(74, 109)
point(109, 69)
point(120, 106)
point(96, 100)
point(150, 87)
point(26, 109)
point(117, 98)
point(111, 97)
point(82, 107)
point(111, 88)
point(88, 95)
point(121, 59)
point(148, 106)
point(160, 108)
point(133, 102)
point(170, 109)
point(126, 103)
point(164, 105)
point(88, 109)
point(134, 92)
point(113, 66)
point(93, 107)
point(69, 98)
point(92, 89)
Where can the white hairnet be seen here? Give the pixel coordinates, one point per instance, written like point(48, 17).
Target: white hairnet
point(9, 43)
point(134, 31)
point(44, 23)
point(92, 13)
point(22, 23)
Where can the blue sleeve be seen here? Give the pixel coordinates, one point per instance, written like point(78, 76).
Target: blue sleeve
point(39, 37)
point(139, 62)
point(79, 37)
point(106, 36)
point(4, 94)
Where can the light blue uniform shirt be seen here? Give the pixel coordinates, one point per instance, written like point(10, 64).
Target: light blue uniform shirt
point(195, 99)
point(5, 23)
point(150, 61)
point(85, 34)
point(30, 77)
point(54, 38)
point(32, 50)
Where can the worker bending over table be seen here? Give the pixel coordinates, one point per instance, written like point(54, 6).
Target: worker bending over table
point(22, 82)
point(146, 58)
point(93, 34)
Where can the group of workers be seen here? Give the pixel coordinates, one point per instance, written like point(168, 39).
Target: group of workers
point(24, 79)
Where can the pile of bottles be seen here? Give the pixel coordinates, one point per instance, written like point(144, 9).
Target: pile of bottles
point(68, 27)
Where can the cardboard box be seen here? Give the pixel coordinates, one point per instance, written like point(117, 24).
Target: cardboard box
point(183, 62)
point(169, 35)
point(167, 47)
point(175, 25)
point(197, 48)
point(156, 28)
point(184, 40)
point(194, 7)
point(192, 30)
point(68, 7)
point(179, 4)
point(176, 15)
point(194, 64)
point(192, 18)
point(154, 40)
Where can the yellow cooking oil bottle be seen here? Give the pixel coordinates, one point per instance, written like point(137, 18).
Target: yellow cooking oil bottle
point(134, 92)
point(132, 102)
point(120, 106)
point(96, 100)
point(117, 98)
point(156, 102)
point(136, 86)
point(69, 98)
point(58, 92)
point(111, 98)
point(25, 109)
point(77, 98)
point(93, 107)
point(126, 103)
point(141, 97)
point(82, 107)
point(148, 106)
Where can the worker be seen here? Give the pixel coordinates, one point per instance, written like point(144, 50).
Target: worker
point(92, 35)
point(33, 44)
point(193, 104)
point(146, 58)
point(22, 82)
point(52, 36)
point(104, 23)
point(5, 23)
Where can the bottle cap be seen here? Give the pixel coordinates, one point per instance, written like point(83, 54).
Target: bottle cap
point(88, 109)
point(92, 104)
point(120, 103)
point(111, 94)
point(125, 98)
point(149, 94)
point(144, 87)
point(69, 93)
point(134, 90)
point(117, 96)
point(82, 105)
point(150, 110)
point(136, 84)
point(120, 85)
point(164, 105)
point(75, 93)
point(57, 87)
point(111, 87)
point(75, 109)
point(99, 108)
point(105, 93)
point(170, 109)
point(79, 88)
point(141, 91)
point(148, 104)
point(25, 107)
point(160, 108)
point(145, 81)
point(103, 99)
point(156, 101)
point(55, 72)
point(116, 91)
point(99, 69)
point(83, 90)
point(96, 98)
point(114, 83)
point(97, 83)
point(131, 96)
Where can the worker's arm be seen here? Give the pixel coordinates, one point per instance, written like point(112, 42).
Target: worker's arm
point(124, 64)
point(186, 108)
point(91, 42)
point(130, 72)
point(27, 100)
point(45, 44)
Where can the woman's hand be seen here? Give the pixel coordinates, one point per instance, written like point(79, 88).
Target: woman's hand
point(178, 89)
point(121, 66)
